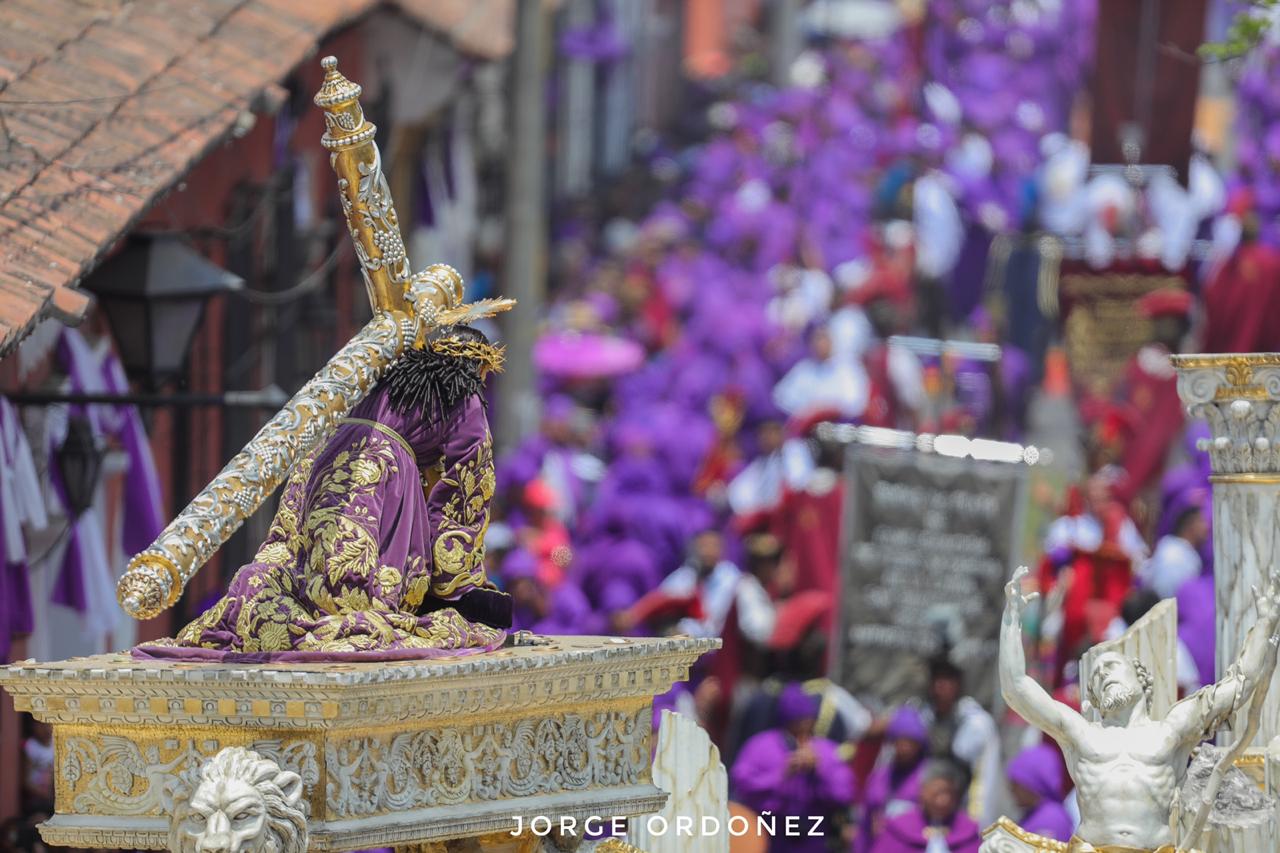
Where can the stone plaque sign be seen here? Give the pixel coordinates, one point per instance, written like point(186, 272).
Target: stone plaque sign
point(929, 541)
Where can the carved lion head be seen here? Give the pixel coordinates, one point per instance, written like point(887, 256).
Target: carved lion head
point(239, 802)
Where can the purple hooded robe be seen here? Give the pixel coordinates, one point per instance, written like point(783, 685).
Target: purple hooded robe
point(908, 833)
point(362, 562)
point(1039, 770)
point(889, 786)
point(1196, 625)
point(760, 779)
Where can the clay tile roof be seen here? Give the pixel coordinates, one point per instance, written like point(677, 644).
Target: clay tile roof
point(485, 28)
point(105, 104)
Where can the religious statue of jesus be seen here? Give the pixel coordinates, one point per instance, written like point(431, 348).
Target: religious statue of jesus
point(1127, 767)
point(377, 548)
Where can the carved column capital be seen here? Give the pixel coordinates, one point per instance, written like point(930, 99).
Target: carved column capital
point(1237, 393)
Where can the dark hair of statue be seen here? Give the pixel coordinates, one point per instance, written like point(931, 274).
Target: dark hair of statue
point(432, 383)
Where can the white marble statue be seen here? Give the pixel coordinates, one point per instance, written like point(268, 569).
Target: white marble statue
point(1127, 767)
point(687, 766)
point(239, 802)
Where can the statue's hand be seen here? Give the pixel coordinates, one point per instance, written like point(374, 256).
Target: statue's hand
point(1016, 600)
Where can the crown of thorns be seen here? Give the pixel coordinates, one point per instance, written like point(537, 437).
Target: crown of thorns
point(490, 355)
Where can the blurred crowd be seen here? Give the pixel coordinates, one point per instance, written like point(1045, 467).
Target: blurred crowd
point(676, 482)
point(677, 485)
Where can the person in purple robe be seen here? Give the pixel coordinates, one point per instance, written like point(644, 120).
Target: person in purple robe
point(614, 565)
point(377, 548)
point(893, 788)
point(1190, 474)
point(938, 824)
point(1035, 780)
point(561, 610)
point(569, 612)
point(548, 455)
point(788, 772)
point(518, 573)
point(1197, 629)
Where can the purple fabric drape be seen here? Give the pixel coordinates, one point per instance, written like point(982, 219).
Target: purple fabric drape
point(86, 576)
point(142, 496)
point(598, 43)
point(360, 562)
point(21, 507)
point(16, 615)
point(69, 588)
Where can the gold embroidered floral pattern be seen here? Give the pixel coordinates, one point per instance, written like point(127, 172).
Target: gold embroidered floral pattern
point(191, 635)
point(459, 545)
point(321, 582)
point(278, 551)
point(343, 534)
point(417, 581)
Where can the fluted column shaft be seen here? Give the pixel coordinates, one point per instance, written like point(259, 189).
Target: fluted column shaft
point(1239, 396)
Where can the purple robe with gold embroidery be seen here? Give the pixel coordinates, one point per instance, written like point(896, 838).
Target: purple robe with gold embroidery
point(361, 560)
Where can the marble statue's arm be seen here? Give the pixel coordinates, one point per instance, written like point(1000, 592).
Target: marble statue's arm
point(1207, 708)
point(1021, 691)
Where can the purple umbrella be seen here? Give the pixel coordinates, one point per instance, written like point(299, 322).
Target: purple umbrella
point(573, 355)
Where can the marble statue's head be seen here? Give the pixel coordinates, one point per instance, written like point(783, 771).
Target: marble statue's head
point(1117, 684)
point(240, 802)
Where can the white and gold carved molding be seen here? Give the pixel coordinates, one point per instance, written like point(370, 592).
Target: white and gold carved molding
point(387, 754)
point(1005, 836)
point(1237, 394)
point(394, 771)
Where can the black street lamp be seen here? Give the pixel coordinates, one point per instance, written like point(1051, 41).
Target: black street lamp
point(79, 462)
point(154, 292)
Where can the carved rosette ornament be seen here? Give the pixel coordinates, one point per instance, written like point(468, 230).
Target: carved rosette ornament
point(1238, 395)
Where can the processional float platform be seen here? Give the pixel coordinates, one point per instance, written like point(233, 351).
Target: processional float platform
point(389, 754)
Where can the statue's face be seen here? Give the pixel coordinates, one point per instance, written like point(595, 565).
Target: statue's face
point(1114, 684)
point(226, 817)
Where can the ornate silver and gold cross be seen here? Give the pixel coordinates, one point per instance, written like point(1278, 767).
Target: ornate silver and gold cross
point(406, 308)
